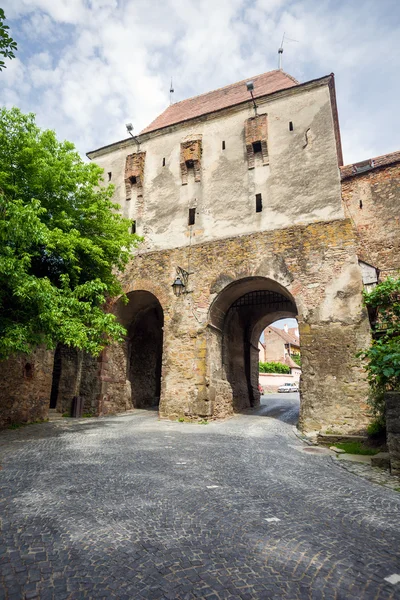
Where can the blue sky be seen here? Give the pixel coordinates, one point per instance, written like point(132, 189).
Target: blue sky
point(86, 67)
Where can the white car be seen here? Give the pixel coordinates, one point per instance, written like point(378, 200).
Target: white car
point(288, 387)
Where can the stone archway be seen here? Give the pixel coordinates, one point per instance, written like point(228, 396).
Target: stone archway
point(143, 318)
point(237, 317)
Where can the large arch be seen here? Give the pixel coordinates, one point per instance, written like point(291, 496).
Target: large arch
point(237, 317)
point(143, 318)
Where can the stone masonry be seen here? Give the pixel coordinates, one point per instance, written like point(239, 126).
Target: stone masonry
point(268, 224)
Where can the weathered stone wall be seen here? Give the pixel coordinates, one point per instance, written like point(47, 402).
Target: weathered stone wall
point(25, 387)
point(296, 173)
point(392, 400)
point(372, 201)
point(317, 264)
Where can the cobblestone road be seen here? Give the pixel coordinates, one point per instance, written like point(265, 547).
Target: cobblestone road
point(132, 507)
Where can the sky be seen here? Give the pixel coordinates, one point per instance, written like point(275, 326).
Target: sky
point(88, 67)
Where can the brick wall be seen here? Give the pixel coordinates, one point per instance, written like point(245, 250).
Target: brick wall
point(372, 202)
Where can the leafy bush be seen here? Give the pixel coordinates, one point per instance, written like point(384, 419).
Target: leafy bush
point(383, 356)
point(273, 367)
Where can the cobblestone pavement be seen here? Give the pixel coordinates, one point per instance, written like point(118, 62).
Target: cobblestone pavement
point(133, 507)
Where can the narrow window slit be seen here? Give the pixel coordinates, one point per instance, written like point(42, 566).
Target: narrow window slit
point(223, 145)
point(109, 175)
point(133, 227)
point(163, 162)
point(361, 204)
point(258, 203)
point(192, 216)
point(290, 126)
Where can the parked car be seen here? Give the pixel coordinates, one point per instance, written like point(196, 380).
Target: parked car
point(288, 387)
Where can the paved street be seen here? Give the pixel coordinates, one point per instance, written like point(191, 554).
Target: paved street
point(133, 507)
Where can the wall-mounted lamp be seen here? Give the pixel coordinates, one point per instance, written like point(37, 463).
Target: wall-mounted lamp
point(181, 281)
point(250, 88)
point(129, 128)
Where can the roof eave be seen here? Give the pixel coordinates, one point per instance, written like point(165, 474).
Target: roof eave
point(325, 80)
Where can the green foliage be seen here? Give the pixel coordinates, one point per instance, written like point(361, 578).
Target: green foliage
point(296, 358)
point(62, 243)
point(357, 448)
point(383, 356)
point(273, 367)
point(376, 428)
point(7, 45)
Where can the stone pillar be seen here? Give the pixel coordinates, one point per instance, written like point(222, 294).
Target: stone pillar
point(392, 400)
point(333, 382)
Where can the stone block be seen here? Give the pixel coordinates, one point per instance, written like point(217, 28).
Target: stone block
point(392, 400)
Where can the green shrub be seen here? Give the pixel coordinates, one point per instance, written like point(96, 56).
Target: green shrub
point(383, 356)
point(376, 428)
point(273, 367)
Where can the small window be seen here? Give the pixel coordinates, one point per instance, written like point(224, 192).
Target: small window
point(223, 145)
point(290, 126)
point(361, 204)
point(258, 203)
point(163, 162)
point(192, 216)
point(256, 147)
point(132, 180)
point(109, 175)
point(190, 164)
point(133, 227)
point(28, 371)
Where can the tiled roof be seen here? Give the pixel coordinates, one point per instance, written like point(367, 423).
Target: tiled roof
point(369, 164)
point(230, 95)
point(289, 339)
point(290, 363)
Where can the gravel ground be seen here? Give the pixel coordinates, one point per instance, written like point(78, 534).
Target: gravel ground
point(133, 507)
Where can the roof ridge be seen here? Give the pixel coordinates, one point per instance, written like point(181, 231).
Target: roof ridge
point(231, 84)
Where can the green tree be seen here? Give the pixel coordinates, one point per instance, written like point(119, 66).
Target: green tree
point(383, 356)
point(62, 243)
point(7, 45)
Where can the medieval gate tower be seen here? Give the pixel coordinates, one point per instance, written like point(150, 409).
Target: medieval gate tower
point(246, 208)
point(246, 199)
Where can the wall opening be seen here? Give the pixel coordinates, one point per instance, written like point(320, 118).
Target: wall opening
point(258, 203)
point(144, 320)
point(290, 125)
point(192, 216)
point(257, 147)
point(238, 316)
point(163, 162)
point(223, 145)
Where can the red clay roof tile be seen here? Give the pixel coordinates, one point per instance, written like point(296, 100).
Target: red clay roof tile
point(230, 95)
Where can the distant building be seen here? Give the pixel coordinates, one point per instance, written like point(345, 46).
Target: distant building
point(280, 344)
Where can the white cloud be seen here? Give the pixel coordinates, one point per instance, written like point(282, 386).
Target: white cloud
point(88, 66)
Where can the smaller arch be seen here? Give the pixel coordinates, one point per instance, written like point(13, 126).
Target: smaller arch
point(143, 318)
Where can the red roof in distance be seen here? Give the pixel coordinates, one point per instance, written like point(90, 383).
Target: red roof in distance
point(230, 95)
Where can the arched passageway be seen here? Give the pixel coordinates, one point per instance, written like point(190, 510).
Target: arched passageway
point(238, 316)
point(144, 320)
